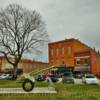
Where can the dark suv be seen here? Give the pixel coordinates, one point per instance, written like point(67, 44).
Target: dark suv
point(68, 78)
point(54, 78)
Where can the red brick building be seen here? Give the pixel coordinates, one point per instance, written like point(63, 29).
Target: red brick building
point(74, 54)
point(26, 64)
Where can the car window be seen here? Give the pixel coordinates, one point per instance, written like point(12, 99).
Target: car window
point(90, 76)
point(67, 74)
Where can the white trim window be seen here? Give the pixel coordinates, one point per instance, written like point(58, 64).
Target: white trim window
point(78, 61)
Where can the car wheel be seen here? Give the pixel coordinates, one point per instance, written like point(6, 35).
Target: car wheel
point(28, 85)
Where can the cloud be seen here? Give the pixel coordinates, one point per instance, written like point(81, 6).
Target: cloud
point(66, 18)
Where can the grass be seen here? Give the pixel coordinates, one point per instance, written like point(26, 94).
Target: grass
point(78, 92)
point(9, 84)
point(64, 92)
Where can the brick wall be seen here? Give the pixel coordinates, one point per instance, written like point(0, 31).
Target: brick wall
point(27, 65)
point(77, 49)
point(95, 63)
point(61, 58)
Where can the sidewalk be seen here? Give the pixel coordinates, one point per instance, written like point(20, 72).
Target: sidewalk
point(21, 91)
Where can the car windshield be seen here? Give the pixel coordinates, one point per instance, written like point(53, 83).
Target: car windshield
point(4, 74)
point(39, 76)
point(90, 76)
point(68, 74)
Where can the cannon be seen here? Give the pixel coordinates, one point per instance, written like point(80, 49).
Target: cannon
point(29, 82)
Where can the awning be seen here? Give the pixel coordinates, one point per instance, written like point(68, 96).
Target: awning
point(82, 68)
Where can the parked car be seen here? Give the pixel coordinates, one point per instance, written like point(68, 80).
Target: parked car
point(89, 79)
point(40, 78)
point(11, 77)
point(68, 78)
point(54, 78)
point(5, 76)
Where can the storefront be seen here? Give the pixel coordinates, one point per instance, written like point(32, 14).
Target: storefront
point(79, 71)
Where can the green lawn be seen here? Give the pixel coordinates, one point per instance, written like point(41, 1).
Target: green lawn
point(9, 83)
point(64, 92)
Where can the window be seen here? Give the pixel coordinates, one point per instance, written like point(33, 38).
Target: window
point(52, 52)
point(69, 56)
point(85, 61)
point(63, 61)
point(56, 52)
point(69, 51)
point(78, 62)
point(82, 61)
point(63, 51)
point(69, 61)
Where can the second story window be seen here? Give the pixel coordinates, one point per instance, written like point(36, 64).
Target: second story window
point(63, 51)
point(69, 51)
point(78, 62)
point(63, 61)
point(85, 61)
point(51, 52)
point(56, 52)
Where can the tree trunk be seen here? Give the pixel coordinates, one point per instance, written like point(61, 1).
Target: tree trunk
point(15, 70)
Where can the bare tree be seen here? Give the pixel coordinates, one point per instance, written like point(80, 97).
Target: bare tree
point(21, 31)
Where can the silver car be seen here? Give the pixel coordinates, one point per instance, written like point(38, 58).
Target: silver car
point(68, 78)
point(89, 79)
point(4, 76)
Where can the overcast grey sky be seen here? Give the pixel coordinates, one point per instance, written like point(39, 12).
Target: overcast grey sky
point(67, 18)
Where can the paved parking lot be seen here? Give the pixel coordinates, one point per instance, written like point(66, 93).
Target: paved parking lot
point(79, 81)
